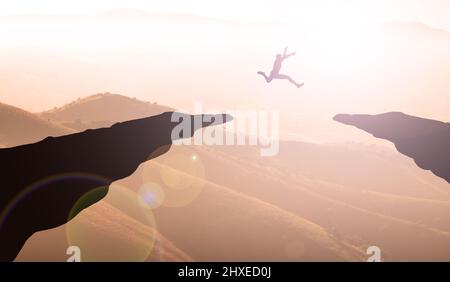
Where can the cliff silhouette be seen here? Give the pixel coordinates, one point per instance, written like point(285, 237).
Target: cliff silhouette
point(43, 183)
point(426, 141)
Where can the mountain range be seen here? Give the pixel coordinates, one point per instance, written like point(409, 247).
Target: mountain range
point(310, 202)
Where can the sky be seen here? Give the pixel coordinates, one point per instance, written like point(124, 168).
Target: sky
point(46, 64)
point(435, 13)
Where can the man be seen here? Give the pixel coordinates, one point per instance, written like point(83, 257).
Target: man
point(275, 73)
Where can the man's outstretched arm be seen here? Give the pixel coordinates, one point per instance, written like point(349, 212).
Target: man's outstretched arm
point(285, 56)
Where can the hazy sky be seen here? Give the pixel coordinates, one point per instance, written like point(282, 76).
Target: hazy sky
point(431, 12)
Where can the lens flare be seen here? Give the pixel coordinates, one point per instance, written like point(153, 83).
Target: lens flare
point(57, 180)
point(115, 229)
point(151, 195)
point(179, 173)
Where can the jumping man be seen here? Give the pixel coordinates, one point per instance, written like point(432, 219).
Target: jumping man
point(275, 73)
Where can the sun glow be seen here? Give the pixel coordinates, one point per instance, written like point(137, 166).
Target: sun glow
point(341, 47)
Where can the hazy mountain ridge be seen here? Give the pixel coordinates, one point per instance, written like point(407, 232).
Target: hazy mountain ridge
point(366, 186)
point(313, 183)
point(231, 221)
point(113, 225)
point(376, 216)
point(102, 110)
point(124, 14)
point(131, 14)
point(21, 127)
point(416, 26)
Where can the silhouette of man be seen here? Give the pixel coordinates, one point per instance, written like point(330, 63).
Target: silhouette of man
point(275, 73)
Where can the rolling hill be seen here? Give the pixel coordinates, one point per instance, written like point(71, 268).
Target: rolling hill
point(310, 202)
point(102, 110)
point(144, 242)
point(21, 127)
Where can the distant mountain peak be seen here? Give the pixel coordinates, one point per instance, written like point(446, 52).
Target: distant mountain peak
point(21, 127)
point(102, 110)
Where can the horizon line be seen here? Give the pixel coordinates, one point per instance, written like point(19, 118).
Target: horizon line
point(147, 13)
